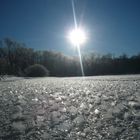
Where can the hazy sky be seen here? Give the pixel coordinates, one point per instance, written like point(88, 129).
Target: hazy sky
point(113, 26)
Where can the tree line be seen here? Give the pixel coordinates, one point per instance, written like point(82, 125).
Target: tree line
point(15, 57)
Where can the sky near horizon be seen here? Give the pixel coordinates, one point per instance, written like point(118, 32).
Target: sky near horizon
point(112, 26)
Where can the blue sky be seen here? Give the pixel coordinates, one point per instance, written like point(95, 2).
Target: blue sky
point(113, 26)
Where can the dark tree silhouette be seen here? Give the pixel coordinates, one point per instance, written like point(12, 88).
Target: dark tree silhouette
point(16, 57)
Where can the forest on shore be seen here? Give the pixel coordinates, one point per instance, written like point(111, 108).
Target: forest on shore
point(15, 58)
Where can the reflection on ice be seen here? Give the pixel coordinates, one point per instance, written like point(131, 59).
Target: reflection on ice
point(35, 99)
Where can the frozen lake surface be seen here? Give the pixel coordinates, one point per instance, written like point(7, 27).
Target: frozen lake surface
point(90, 108)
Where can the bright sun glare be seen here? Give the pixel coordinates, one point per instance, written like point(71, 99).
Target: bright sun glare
point(77, 37)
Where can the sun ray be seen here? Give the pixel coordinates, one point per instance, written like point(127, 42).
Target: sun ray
point(74, 14)
point(77, 37)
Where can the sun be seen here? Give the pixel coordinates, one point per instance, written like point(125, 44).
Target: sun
point(77, 36)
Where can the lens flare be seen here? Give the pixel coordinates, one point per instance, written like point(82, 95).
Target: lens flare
point(77, 36)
